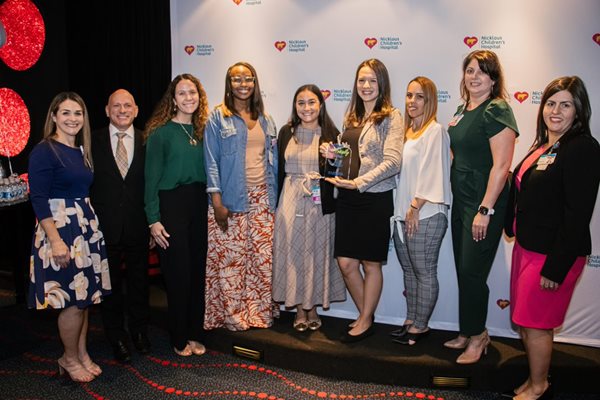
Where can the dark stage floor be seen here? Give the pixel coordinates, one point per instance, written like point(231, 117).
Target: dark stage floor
point(575, 369)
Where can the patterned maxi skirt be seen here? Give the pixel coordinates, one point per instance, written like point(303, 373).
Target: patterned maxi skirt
point(86, 279)
point(239, 267)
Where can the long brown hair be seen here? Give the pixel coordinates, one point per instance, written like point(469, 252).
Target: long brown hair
point(257, 106)
point(83, 137)
point(383, 104)
point(490, 64)
point(165, 110)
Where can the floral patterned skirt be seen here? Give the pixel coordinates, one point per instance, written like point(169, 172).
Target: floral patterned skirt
point(86, 279)
point(239, 267)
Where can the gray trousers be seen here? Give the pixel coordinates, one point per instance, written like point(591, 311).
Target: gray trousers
point(418, 257)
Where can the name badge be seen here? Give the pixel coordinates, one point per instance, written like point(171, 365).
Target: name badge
point(315, 193)
point(545, 160)
point(455, 120)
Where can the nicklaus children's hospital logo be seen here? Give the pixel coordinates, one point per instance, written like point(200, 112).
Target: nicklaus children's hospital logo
point(199, 49)
point(532, 97)
point(247, 2)
point(326, 93)
point(596, 38)
point(488, 42)
point(293, 46)
point(383, 43)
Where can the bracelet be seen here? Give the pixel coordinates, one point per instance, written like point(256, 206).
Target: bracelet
point(416, 208)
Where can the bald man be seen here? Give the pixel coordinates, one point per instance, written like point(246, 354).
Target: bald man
point(117, 195)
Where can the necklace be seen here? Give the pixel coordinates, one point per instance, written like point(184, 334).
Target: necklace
point(193, 140)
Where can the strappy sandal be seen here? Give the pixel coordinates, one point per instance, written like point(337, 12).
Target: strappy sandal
point(92, 367)
point(76, 372)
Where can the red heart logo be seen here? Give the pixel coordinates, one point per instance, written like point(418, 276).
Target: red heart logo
point(470, 41)
point(237, 2)
point(521, 96)
point(596, 38)
point(503, 303)
point(280, 45)
point(326, 93)
point(189, 49)
point(370, 42)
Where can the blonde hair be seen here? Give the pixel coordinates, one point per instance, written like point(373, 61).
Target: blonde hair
point(430, 109)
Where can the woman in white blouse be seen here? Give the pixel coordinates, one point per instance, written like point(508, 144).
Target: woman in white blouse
point(421, 210)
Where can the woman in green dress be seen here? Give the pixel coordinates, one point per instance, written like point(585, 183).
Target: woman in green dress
point(482, 136)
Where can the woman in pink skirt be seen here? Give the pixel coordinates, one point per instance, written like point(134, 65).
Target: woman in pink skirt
point(553, 194)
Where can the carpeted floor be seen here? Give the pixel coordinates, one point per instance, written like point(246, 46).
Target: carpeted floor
point(29, 347)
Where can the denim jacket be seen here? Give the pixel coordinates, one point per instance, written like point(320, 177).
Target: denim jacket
point(380, 151)
point(225, 141)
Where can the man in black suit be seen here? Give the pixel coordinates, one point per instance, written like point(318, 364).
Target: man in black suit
point(117, 195)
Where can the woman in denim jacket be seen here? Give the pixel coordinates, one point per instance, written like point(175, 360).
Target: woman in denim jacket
point(374, 133)
point(241, 166)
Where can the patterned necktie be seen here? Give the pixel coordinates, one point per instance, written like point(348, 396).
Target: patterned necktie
point(121, 155)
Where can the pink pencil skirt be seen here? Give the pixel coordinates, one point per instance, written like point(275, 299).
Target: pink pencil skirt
point(530, 305)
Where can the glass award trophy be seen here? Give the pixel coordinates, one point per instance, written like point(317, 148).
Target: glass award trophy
point(335, 158)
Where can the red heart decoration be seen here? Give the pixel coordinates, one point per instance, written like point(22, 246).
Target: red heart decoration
point(470, 41)
point(237, 2)
point(521, 96)
point(502, 303)
point(280, 45)
point(15, 127)
point(370, 42)
point(25, 34)
point(596, 38)
point(326, 93)
point(189, 49)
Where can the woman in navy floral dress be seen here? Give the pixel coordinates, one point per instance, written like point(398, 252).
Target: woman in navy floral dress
point(68, 268)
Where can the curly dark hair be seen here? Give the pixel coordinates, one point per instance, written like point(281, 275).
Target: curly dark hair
point(165, 111)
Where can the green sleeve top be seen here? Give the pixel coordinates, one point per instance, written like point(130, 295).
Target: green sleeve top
point(470, 133)
point(171, 161)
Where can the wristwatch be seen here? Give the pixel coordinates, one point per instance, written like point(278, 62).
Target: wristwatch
point(485, 211)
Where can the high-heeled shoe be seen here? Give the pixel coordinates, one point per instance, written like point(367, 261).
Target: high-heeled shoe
point(400, 331)
point(459, 342)
point(197, 348)
point(548, 393)
point(91, 366)
point(477, 346)
point(76, 372)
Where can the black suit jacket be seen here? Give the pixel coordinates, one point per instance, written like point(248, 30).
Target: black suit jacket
point(119, 202)
point(554, 206)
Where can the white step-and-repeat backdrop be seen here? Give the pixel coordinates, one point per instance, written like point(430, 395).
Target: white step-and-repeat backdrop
point(292, 42)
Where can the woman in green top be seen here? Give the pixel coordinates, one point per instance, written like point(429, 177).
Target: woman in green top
point(482, 136)
point(176, 206)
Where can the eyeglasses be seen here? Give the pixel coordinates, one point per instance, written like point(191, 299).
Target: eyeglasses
point(237, 80)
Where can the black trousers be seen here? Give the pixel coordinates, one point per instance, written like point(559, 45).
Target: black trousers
point(129, 274)
point(183, 213)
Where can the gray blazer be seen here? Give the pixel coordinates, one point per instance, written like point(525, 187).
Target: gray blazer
point(380, 152)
